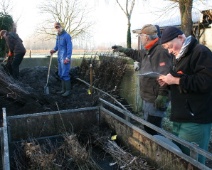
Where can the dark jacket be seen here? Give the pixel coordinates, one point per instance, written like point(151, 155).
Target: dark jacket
point(191, 101)
point(157, 59)
point(14, 43)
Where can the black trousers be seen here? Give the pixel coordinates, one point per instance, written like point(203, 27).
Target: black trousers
point(15, 64)
point(154, 120)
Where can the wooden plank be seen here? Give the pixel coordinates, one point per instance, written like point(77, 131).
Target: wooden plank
point(47, 124)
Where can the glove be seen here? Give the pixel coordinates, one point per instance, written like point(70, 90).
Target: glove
point(66, 61)
point(118, 48)
point(136, 66)
point(10, 54)
point(161, 102)
point(52, 51)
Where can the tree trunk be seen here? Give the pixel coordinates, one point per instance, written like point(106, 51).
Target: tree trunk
point(129, 35)
point(128, 13)
point(186, 16)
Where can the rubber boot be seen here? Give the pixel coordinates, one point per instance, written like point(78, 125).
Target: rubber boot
point(67, 87)
point(63, 88)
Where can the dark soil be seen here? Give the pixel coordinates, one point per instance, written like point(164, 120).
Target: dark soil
point(33, 80)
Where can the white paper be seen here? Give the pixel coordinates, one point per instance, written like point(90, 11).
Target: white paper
point(150, 74)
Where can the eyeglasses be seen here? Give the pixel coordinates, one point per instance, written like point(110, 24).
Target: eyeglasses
point(141, 35)
point(57, 27)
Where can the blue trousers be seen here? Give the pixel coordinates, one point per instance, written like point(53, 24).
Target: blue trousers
point(152, 115)
point(63, 70)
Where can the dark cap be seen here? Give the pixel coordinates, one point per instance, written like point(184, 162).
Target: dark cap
point(158, 31)
point(57, 24)
point(169, 33)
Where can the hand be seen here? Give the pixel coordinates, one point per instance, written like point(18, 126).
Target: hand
point(66, 61)
point(5, 59)
point(161, 102)
point(160, 81)
point(136, 66)
point(169, 79)
point(52, 51)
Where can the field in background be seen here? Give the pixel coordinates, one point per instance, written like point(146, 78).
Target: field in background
point(75, 53)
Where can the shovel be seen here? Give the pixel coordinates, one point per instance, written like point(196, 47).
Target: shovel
point(46, 88)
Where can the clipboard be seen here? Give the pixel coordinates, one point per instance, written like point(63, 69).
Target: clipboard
point(150, 74)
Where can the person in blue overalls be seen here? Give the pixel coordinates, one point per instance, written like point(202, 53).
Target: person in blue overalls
point(64, 48)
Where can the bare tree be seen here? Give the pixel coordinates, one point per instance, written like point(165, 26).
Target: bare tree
point(185, 7)
point(5, 6)
point(73, 15)
point(128, 12)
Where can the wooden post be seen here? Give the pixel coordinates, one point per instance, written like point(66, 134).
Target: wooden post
point(139, 42)
point(91, 79)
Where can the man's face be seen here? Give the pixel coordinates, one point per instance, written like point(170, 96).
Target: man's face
point(59, 29)
point(144, 39)
point(174, 46)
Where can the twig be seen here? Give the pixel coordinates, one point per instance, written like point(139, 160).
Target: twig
point(103, 93)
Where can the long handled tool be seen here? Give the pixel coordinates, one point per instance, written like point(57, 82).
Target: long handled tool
point(46, 88)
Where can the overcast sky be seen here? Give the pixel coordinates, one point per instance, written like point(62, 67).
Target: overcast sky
point(111, 23)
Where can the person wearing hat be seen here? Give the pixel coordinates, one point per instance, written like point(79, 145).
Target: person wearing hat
point(16, 50)
point(190, 83)
point(152, 58)
point(64, 48)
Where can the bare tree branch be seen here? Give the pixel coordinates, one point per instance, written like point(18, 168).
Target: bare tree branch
point(128, 13)
point(5, 6)
point(73, 15)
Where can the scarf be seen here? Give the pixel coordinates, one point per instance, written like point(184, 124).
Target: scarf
point(151, 43)
point(184, 47)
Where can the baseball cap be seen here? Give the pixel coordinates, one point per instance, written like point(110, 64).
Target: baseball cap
point(149, 29)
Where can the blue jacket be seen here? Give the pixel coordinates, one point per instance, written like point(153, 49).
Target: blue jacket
point(63, 45)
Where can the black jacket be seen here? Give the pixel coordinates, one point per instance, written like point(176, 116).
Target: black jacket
point(14, 43)
point(157, 59)
point(191, 101)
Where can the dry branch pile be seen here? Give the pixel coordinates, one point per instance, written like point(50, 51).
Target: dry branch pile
point(69, 153)
point(124, 159)
point(107, 74)
point(66, 154)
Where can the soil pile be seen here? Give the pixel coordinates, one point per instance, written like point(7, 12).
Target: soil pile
point(26, 96)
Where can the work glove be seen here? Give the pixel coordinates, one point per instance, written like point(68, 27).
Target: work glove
point(66, 61)
point(10, 54)
point(118, 48)
point(161, 102)
point(52, 51)
point(136, 66)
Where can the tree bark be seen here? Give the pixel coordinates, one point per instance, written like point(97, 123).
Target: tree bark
point(186, 16)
